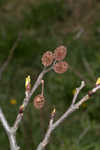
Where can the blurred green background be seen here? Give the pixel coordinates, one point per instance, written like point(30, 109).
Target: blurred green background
point(44, 25)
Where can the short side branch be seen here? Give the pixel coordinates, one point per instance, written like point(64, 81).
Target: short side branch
point(45, 141)
point(77, 92)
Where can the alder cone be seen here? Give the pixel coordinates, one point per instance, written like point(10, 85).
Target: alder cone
point(47, 58)
point(60, 53)
point(39, 101)
point(60, 67)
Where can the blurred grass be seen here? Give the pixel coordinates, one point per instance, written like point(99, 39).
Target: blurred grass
point(45, 25)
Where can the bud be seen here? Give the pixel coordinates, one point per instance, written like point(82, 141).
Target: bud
point(90, 93)
point(47, 58)
point(60, 53)
point(39, 101)
point(98, 81)
point(21, 109)
point(28, 84)
point(53, 113)
point(60, 67)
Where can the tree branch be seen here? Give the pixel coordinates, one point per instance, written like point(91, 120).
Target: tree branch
point(71, 109)
point(11, 131)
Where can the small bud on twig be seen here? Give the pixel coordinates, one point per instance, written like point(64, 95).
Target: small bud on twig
point(53, 113)
point(90, 93)
point(21, 109)
point(98, 81)
point(28, 85)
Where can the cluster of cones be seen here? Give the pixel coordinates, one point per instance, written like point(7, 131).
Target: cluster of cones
point(59, 66)
point(59, 54)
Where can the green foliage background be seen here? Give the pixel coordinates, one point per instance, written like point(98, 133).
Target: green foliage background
point(45, 25)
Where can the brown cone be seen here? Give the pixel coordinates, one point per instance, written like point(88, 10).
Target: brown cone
point(60, 53)
point(60, 67)
point(47, 58)
point(39, 101)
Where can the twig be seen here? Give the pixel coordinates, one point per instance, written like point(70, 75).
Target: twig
point(71, 109)
point(77, 92)
point(5, 64)
point(45, 141)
